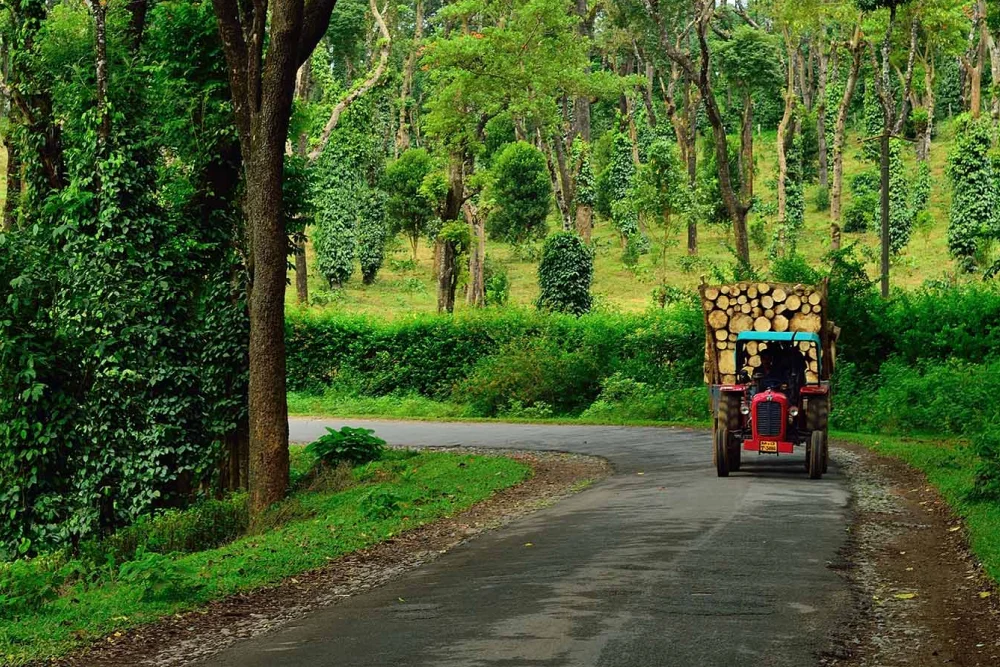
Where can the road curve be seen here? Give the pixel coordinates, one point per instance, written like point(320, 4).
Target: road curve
point(670, 567)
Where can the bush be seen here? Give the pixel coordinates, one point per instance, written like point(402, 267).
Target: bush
point(822, 200)
point(160, 578)
point(987, 447)
point(496, 282)
point(975, 199)
point(527, 374)
point(352, 445)
point(522, 194)
point(565, 274)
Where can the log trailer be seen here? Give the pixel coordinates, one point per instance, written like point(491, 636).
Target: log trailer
point(769, 355)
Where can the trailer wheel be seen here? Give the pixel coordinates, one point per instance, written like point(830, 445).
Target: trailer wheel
point(721, 453)
point(816, 454)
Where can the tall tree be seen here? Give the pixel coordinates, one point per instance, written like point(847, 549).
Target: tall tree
point(892, 117)
point(667, 18)
point(855, 46)
point(264, 46)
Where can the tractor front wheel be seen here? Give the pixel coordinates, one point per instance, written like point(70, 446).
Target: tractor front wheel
point(817, 455)
point(722, 451)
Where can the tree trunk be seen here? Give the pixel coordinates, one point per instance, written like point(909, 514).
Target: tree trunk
point(99, 9)
point(262, 86)
point(823, 170)
point(746, 149)
point(12, 203)
point(581, 105)
point(476, 295)
point(792, 47)
point(840, 128)
point(584, 221)
point(447, 278)
point(403, 133)
point(303, 87)
point(884, 200)
point(976, 69)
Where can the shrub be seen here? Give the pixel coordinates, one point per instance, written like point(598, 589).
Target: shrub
point(522, 194)
point(27, 585)
point(822, 200)
point(987, 447)
point(975, 197)
point(565, 274)
point(496, 282)
point(160, 578)
point(531, 373)
point(411, 204)
point(351, 445)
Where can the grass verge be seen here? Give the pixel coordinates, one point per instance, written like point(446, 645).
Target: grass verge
point(307, 531)
point(950, 467)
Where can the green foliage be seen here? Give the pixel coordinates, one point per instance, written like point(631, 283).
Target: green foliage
point(618, 182)
point(499, 132)
point(874, 121)
point(159, 578)
point(900, 200)
point(351, 445)
point(335, 240)
point(373, 235)
point(862, 213)
point(822, 201)
point(496, 282)
point(122, 313)
point(975, 195)
point(986, 446)
point(586, 186)
point(521, 193)
point(429, 356)
point(413, 196)
point(565, 274)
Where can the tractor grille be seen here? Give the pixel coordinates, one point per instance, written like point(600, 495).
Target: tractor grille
point(768, 418)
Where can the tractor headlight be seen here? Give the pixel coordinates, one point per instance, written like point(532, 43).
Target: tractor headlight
point(744, 409)
point(794, 412)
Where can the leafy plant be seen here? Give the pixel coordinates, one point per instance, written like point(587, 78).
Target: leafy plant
point(353, 445)
point(161, 578)
point(565, 274)
point(522, 194)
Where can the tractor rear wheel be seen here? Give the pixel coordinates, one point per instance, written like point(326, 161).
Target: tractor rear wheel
point(817, 454)
point(721, 451)
point(817, 419)
point(729, 419)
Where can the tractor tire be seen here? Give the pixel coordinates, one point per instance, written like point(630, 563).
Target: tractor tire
point(721, 451)
point(729, 419)
point(818, 413)
point(816, 453)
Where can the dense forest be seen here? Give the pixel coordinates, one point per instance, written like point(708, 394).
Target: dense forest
point(180, 171)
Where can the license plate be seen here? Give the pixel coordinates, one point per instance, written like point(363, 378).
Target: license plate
point(768, 446)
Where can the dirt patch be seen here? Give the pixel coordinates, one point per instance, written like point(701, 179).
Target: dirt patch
point(195, 635)
point(921, 597)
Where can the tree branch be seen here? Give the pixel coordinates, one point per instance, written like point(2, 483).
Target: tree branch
point(359, 91)
point(315, 20)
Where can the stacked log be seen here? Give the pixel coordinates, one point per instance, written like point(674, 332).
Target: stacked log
point(759, 306)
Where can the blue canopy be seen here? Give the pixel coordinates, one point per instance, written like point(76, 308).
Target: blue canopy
point(780, 336)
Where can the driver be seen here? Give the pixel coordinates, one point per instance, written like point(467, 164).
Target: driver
point(780, 366)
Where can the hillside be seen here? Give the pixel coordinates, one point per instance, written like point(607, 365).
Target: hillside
point(403, 287)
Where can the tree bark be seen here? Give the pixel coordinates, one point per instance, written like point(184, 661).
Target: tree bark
point(359, 91)
point(447, 278)
point(403, 133)
point(303, 87)
point(99, 9)
point(476, 294)
point(821, 78)
point(746, 149)
point(701, 75)
point(12, 203)
point(262, 88)
point(792, 47)
point(855, 47)
point(975, 67)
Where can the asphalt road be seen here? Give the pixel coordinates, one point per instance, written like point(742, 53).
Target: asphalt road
point(673, 567)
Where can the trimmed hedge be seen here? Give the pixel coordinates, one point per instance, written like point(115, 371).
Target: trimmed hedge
point(431, 356)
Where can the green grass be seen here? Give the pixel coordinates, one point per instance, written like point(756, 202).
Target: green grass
point(950, 468)
point(402, 491)
point(402, 289)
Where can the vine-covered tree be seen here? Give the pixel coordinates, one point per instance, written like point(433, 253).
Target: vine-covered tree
point(565, 274)
point(521, 194)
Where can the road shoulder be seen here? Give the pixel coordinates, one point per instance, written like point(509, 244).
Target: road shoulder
point(921, 597)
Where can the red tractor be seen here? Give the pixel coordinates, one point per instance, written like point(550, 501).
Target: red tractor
point(778, 402)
